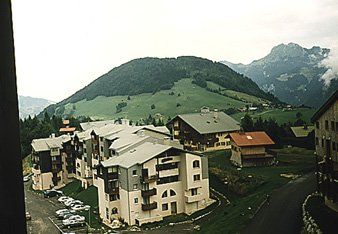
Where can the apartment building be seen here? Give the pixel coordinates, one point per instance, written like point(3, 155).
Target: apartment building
point(326, 141)
point(250, 149)
point(97, 144)
point(53, 161)
point(204, 131)
point(150, 181)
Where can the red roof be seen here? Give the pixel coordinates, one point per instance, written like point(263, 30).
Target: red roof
point(251, 139)
point(67, 129)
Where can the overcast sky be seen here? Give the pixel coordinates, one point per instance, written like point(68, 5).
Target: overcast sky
point(63, 45)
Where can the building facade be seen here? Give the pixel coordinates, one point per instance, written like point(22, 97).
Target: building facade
point(53, 162)
point(152, 181)
point(249, 149)
point(326, 141)
point(204, 131)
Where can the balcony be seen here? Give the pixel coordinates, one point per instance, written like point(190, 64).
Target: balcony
point(151, 206)
point(113, 176)
point(148, 193)
point(191, 199)
point(171, 172)
point(167, 166)
point(113, 190)
point(149, 179)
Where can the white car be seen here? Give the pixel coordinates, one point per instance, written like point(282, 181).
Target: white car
point(75, 202)
point(73, 222)
point(80, 207)
point(61, 211)
point(63, 199)
point(76, 217)
point(68, 201)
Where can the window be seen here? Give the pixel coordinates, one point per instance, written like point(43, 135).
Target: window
point(336, 126)
point(134, 172)
point(197, 177)
point(107, 212)
point(101, 138)
point(135, 200)
point(217, 144)
point(135, 186)
point(194, 192)
point(332, 126)
point(322, 142)
point(222, 143)
point(164, 206)
point(101, 148)
point(317, 124)
point(326, 125)
point(164, 194)
point(84, 150)
point(317, 141)
point(53, 158)
point(334, 146)
point(195, 164)
point(114, 197)
point(172, 193)
point(114, 211)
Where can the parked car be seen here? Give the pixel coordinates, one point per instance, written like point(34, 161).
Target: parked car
point(73, 223)
point(52, 193)
point(75, 202)
point(69, 201)
point(76, 217)
point(62, 213)
point(63, 198)
point(28, 216)
point(80, 207)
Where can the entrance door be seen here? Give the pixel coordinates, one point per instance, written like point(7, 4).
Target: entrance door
point(173, 208)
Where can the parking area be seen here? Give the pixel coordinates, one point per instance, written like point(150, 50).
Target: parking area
point(42, 211)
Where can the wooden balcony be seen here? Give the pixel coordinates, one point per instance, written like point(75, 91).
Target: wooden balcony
point(113, 176)
point(148, 193)
point(151, 206)
point(167, 166)
point(149, 179)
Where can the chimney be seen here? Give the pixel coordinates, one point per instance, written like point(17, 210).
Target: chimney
point(52, 135)
point(215, 112)
point(125, 121)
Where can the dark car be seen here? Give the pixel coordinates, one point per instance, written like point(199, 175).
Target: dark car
point(52, 193)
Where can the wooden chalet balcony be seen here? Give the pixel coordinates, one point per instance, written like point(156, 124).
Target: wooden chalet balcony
point(167, 166)
point(149, 179)
point(151, 206)
point(113, 190)
point(148, 193)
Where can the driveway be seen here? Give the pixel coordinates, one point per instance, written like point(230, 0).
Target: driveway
point(283, 214)
point(40, 209)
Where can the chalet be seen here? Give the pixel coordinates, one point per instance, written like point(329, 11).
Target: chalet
point(204, 131)
point(66, 129)
point(249, 149)
point(326, 141)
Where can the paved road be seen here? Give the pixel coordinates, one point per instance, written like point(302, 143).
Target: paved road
point(40, 208)
point(283, 214)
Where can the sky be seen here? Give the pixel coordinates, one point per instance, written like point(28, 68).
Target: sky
point(63, 45)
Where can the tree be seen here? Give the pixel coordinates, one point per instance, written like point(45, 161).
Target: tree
point(128, 98)
point(247, 123)
point(299, 115)
point(152, 106)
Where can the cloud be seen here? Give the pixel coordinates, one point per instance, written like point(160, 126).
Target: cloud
point(331, 63)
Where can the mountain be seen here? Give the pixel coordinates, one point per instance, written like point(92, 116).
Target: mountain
point(31, 105)
point(156, 77)
point(292, 73)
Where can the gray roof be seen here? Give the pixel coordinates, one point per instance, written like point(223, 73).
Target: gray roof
point(137, 155)
point(45, 144)
point(211, 122)
point(95, 124)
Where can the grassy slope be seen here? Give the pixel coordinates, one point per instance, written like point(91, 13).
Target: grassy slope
point(237, 215)
point(192, 98)
point(279, 115)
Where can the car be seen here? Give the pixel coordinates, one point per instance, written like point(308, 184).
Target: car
point(76, 217)
point(68, 201)
point(75, 202)
point(63, 199)
point(66, 214)
point(61, 211)
point(73, 223)
point(28, 216)
point(80, 207)
point(52, 193)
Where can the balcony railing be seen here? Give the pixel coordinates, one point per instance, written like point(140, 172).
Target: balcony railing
point(166, 166)
point(148, 193)
point(149, 179)
point(151, 206)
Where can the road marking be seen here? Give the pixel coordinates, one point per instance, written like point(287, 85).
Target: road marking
point(55, 224)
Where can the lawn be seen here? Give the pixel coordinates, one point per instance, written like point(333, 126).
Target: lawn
point(279, 115)
point(242, 208)
point(89, 197)
point(190, 97)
